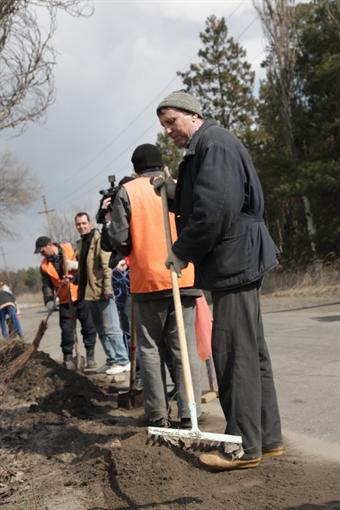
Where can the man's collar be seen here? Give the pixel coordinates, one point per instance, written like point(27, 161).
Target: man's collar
point(194, 139)
point(85, 236)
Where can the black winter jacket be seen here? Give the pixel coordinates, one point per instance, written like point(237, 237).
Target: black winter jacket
point(219, 212)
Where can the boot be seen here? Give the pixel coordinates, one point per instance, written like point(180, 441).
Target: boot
point(68, 362)
point(90, 362)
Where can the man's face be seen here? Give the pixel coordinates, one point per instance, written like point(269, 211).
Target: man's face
point(48, 250)
point(179, 126)
point(83, 225)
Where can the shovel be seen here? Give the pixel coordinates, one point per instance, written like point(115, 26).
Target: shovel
point(79, 360)
point(133, 397)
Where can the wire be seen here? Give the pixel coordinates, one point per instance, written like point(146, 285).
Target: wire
point(247, 27)
point(83, 184)
point(138, 116)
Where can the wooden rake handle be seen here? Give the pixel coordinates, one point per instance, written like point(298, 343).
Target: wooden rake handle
point(177, 302)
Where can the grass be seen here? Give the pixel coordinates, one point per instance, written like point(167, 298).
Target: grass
point(28, 298)
point(316, 280)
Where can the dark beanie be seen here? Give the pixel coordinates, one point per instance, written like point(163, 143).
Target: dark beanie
point(146, 156)
point(181, 100)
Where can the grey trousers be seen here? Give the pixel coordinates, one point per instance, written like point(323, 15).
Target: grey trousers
point(156, 324)
point(243, 369)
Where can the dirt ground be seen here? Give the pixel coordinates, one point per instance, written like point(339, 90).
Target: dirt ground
point(65, 445)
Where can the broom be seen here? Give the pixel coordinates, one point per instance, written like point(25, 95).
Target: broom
point(193, 438)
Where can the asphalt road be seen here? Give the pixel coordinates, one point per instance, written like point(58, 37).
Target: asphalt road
point(304, 341)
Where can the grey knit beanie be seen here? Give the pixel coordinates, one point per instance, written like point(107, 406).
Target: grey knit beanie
point(182, 101)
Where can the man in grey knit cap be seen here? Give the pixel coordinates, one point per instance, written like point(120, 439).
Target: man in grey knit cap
point(218, 205)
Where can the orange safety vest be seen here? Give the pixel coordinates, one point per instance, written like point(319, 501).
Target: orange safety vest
point(48, 267)
point(149, 249)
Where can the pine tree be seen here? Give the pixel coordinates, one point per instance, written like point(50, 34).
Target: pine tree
point(317, 114)
point(222, 80)
point(305, 164)
point(171, 155)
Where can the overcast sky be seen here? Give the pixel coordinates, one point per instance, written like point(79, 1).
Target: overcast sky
point(112, 71)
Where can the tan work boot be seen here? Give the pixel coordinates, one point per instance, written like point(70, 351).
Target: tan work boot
point(272, 452)
point(225, 462)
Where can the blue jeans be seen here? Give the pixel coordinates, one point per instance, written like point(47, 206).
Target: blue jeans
point(106, 321)
point(11, 311)
point(121, 289)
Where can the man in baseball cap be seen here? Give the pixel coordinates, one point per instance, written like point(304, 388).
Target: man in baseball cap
point(57, 281)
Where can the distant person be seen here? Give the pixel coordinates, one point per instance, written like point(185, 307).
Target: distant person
point(8, 309)
point(95, 287)
point(58, 281)
point(121, 288)
point(136, 229)
point(218, 205)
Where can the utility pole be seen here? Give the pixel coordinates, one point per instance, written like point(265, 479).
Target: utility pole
point(3, 255)
point(47, 211)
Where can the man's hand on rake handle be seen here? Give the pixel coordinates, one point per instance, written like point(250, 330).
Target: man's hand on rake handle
point(178, 264)
point(170, 185)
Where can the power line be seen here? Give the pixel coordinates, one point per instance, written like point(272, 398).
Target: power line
point(140, 114)
point(84, 183)
point(247, 27)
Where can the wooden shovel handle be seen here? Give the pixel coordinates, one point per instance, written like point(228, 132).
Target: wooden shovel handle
point(178, 306)
point(133, 347)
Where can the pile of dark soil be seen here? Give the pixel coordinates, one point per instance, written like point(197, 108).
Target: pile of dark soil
point(66, 446)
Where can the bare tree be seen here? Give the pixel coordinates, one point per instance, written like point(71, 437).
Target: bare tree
point(61, 227)
point(279, 26)
point(27, 57)
point(18, 189)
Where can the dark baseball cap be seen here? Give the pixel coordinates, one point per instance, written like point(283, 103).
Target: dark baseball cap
point(41, 242)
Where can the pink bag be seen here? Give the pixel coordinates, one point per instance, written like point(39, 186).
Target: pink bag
point(203, 327)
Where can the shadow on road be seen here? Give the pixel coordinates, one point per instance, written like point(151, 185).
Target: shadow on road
point(303, 308)
point(331, 505)
point(327, 318)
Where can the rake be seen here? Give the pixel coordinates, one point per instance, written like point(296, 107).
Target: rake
point(192, 438)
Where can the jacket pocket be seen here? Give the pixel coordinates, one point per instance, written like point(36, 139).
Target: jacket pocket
point(232, 255)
